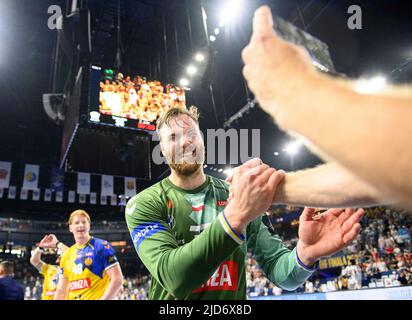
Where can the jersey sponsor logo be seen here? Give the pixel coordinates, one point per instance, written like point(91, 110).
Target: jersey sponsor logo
point(145, 230)
point(88, 262)
point(224, 278)
point(80, 284)
point(89, 254)
point(221, 203)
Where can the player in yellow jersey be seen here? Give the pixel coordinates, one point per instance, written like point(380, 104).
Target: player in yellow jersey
point(90, 270)
point(50, 272)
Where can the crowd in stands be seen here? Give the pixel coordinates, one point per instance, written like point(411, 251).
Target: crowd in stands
point(138, 97)
point(383, 258)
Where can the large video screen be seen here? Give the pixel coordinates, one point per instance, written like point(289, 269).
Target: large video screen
point(131, 101)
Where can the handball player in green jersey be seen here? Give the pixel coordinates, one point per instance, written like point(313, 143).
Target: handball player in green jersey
point(194, 241)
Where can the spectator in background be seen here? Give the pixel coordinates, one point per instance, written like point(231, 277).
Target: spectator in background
point(404, 237)
point(402, 278)
point(354, 274)
point(309, 287)
point(381, 244)
point(9, 289)
point(48, 271)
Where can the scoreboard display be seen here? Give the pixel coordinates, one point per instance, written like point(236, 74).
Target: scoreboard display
point(132, 102)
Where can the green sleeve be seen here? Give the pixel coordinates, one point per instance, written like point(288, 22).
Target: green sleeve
point(179, 269)
point(278, 262)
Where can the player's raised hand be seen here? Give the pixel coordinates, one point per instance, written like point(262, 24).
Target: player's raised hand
point(324, 234)
point(49, 241)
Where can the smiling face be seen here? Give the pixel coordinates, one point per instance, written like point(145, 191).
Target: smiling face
point(182, 145)
point(80, 227)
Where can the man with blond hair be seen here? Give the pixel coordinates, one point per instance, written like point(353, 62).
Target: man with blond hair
point(193, 239)
point(90, 270)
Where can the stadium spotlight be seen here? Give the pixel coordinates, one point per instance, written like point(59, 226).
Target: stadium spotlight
point(228, 172)
point(199, 57)
point(230, 10)
point(276, 153)
point(220, 170)
point(191, 70)
point(212, 38)
point(292, 148)
point(217, 31)
point(371, 85)
point(184, 82)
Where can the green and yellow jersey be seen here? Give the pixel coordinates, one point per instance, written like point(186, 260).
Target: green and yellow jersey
point(185, 242)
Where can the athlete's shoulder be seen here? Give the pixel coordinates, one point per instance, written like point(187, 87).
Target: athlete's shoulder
point(149, 201)
point(67, 254)
point(98, 243)
point(153, 192)
point(219, 183)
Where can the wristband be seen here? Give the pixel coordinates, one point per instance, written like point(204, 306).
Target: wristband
point(57, 244)
point(228, 228)
point(310, 269)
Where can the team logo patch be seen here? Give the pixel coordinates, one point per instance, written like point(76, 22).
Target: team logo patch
point(107, 247)
point(30, 176)
point(88, 262)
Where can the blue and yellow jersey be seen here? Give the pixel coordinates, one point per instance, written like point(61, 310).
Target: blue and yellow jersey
point(51, 275)
point(85, 268)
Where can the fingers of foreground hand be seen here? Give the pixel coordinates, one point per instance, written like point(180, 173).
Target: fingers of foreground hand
point(351, 235)
point(262, 24)
point(275, 179)
point(351, 220)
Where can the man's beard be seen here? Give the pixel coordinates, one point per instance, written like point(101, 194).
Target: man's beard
point(186, 169)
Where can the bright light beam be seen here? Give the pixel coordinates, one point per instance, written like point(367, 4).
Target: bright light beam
point(184, 82)
point(372, 85)
point(230, 10)
point(293, 147)
point(191, 70)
